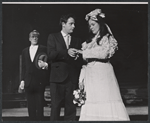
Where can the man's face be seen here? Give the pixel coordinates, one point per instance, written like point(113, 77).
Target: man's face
point(69, 26)
point(33, 39)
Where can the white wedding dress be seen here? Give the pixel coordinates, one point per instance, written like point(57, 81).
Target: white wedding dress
point(103, 99)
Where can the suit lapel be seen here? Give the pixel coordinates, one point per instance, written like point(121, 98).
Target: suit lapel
point(72, 43)
point(61, 39)
point(28, 54)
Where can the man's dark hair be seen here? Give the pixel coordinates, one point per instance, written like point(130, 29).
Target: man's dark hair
point(64, 18)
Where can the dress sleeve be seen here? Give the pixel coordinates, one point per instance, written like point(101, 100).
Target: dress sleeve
point(113, 46)
point(105, 49)
point(84, 45)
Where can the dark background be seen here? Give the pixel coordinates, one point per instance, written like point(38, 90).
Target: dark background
point(128, 22)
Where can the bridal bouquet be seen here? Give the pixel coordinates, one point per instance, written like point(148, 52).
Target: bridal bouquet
point(79, 97)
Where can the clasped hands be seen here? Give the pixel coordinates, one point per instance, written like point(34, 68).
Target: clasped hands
point(74, 52)
point(42, 64)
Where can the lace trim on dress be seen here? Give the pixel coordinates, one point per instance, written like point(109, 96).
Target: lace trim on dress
point(106, 48)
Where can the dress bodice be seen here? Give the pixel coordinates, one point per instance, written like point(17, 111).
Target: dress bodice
point(105, 49)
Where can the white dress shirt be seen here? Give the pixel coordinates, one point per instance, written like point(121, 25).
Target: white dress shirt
point(33, 50)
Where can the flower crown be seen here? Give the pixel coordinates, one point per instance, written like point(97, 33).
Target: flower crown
point(93, 14)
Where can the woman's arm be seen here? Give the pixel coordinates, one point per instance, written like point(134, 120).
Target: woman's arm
point(105, 49)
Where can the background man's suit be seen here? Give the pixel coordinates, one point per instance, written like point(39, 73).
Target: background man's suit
point(35, 81)
point(64, 74)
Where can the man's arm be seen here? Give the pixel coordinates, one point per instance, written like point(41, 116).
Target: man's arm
point(42, 64)
point(54, 53)
point(22, 83)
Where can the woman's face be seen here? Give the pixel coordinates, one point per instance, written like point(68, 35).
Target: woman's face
point(94, 26)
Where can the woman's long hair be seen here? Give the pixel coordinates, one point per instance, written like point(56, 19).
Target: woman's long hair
point(103, 30)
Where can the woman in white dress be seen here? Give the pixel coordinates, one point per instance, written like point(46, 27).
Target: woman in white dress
point(103, 98)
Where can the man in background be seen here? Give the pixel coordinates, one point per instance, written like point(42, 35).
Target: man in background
point(34, 76)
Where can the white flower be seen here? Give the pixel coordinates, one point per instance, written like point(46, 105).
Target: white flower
point(102, 15)
point(79, 90)
point(75, 92)
point(82, 102)
point(74, 102)
point(77, 96)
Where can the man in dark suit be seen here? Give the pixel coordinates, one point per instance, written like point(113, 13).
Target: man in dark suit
point(65, 68)
point(34, 76)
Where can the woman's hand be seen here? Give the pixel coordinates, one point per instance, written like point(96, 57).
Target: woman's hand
point(80, 51)
point(84, 45)
point(72, 52)
point(81, 85)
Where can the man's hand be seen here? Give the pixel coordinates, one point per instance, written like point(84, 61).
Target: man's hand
point(72, 52)
point(21, 86)
point(42, 64)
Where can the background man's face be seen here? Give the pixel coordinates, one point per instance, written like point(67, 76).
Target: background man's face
point(33, 39)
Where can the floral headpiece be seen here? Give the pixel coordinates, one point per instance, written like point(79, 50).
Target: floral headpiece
point(93, 15)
